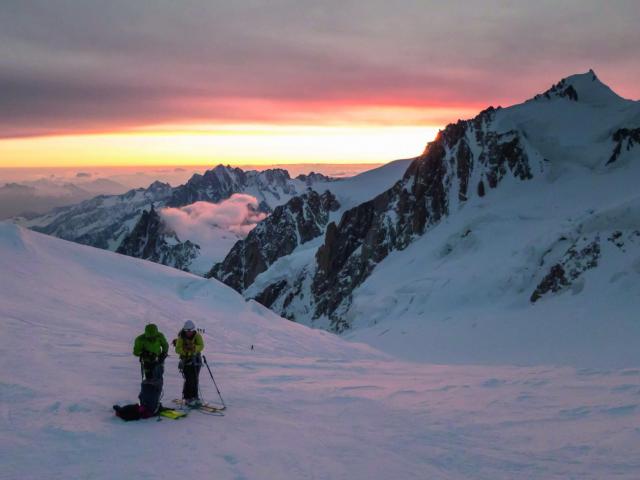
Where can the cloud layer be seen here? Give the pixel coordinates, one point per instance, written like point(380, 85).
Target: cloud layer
point(69, 66)
point(204, 222)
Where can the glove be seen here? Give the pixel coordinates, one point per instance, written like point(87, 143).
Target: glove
point(163, 357)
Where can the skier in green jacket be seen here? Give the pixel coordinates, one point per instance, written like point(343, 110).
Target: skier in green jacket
point(152, 348)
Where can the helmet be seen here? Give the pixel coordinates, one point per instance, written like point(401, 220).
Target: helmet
point(189, 325)
point(151, 330)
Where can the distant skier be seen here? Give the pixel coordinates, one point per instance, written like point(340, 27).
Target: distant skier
point(189, 345)
point(152, 348)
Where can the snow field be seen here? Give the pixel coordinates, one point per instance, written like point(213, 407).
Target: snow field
point(302, 404)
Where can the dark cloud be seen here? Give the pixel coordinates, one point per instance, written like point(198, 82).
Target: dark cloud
point(73, 66)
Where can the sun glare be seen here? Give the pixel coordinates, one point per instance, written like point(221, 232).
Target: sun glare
point(232, 144)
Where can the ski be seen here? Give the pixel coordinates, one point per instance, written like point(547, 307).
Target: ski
point(171, 413)
point(210, 408)
point(204, 407)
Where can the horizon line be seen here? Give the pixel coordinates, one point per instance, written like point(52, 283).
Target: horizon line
point(185, 166)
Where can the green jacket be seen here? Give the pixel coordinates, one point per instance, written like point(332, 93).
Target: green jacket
point(186, 347)
point(151, 343)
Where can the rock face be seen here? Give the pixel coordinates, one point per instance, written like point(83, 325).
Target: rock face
point(560, 89)
point(301, 219)
point(625, 139)
point(576, 260)
point(584, 253)
point(222, 182)
point(151, 240)
point(313, 178)
point(435, 181)
point(465, 153)
point(270, 294)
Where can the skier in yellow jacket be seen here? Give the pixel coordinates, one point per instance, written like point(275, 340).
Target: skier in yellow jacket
point(189, 345)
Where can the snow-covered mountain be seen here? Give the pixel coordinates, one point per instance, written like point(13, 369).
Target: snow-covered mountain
point(103, 221)
point(516, 205)
point(115, 222)
point(301, 402)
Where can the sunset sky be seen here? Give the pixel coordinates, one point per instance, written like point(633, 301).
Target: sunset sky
point(151, 82)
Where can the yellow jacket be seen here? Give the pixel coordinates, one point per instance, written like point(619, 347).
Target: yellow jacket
point(187, 347)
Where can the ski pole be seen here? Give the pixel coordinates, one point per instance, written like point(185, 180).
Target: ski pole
point(214, 381)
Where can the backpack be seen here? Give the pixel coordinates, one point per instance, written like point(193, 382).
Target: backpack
point(150, 392)
point(149, 406)
point(128, 412)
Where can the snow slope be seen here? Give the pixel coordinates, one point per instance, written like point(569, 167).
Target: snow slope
point(354, 190)
point(462, 292)
point(302, 404)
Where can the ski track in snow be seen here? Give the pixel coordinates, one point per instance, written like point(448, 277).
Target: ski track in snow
point(303, 404)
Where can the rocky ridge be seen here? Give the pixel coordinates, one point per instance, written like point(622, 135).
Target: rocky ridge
point(151, 240)
point(300, 220)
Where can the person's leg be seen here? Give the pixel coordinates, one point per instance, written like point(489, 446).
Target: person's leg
point(190, 389)
point(196, 382)
point(148, 370)
point(185, 384)
point(158, 371)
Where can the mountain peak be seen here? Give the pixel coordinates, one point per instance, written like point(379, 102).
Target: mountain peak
point(222, 168)
point(581, 87)
point(158, 186)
